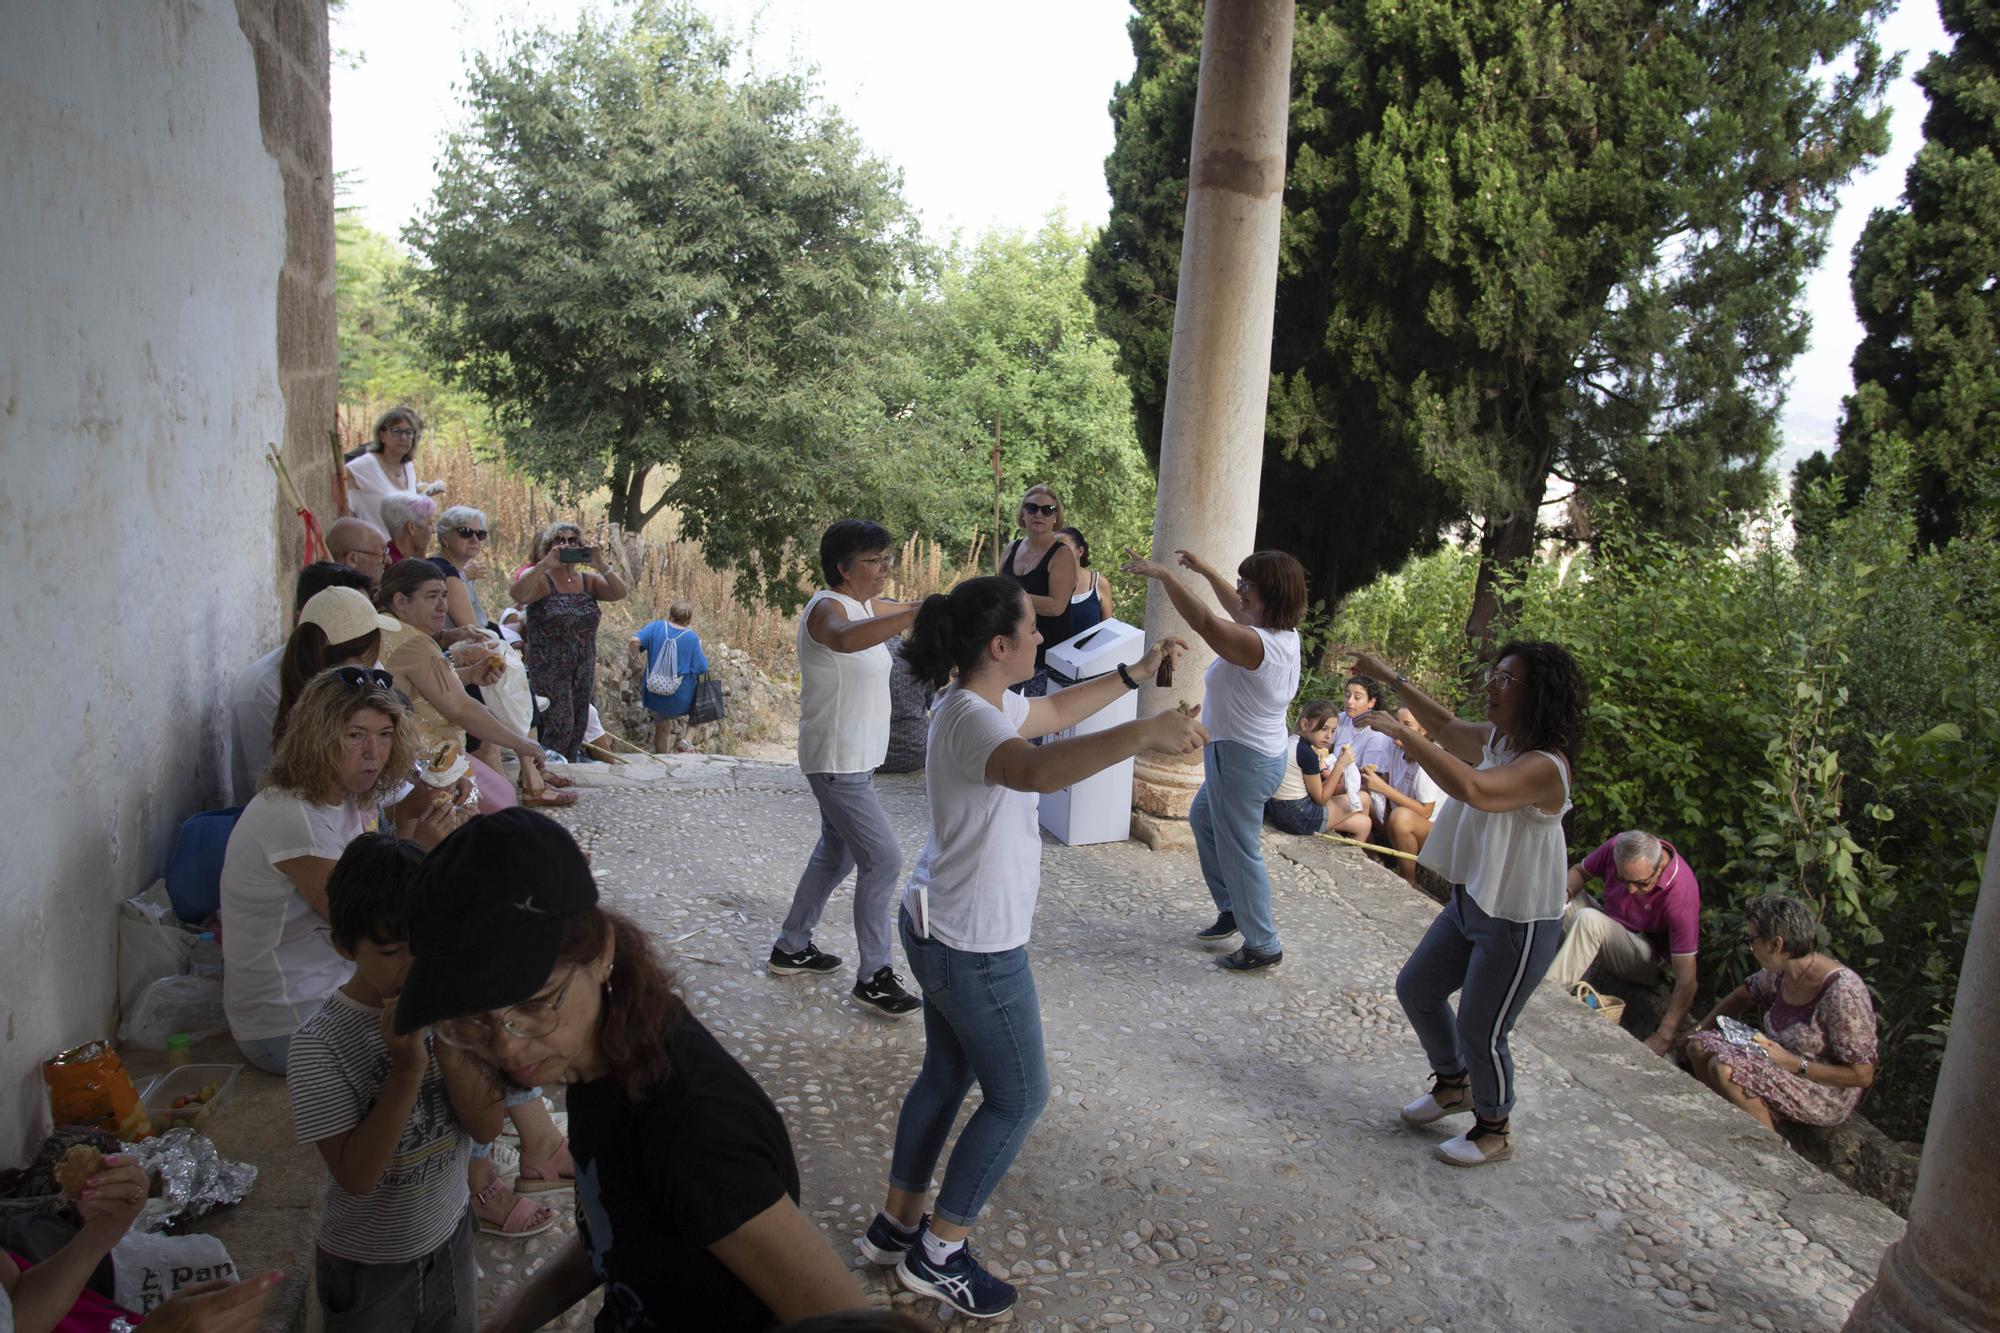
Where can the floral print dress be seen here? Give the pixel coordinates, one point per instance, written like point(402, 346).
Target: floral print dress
point(1837, 1026)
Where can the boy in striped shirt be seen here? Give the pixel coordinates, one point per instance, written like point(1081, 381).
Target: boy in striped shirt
point(394, 1117)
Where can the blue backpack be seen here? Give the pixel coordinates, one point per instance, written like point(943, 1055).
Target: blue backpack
point(194, 866)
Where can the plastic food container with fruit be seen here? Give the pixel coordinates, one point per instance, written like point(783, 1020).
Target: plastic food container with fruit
point(186, 1097)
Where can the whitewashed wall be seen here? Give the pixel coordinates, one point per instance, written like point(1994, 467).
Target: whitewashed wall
point(142, 234)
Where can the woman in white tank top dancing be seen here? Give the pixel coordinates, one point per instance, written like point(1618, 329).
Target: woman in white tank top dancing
point(1499, 843)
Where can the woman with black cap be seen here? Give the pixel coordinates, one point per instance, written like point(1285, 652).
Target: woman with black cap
point(686, 1187)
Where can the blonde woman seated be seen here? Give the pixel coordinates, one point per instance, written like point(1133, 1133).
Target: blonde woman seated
point(348, 744)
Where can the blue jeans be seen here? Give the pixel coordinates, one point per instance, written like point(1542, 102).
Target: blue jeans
point(1495, 966)
point(1304, 816)
point(982, 1022)
point(271, 1054)
point(1228, 820)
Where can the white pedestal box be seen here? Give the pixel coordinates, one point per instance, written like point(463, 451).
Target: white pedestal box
point(1098, 809)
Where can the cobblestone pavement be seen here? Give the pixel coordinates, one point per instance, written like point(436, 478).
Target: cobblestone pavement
point(1219, 1151)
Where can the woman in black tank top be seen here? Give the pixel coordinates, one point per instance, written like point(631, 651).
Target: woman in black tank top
point(1046, 571)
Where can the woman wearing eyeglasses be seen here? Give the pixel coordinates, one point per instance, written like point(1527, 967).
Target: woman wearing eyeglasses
point(413, 592)
point(461, 538)
point(387, 465)
point(687, 1192)
point(1046, 570)
point(561, 597)
point(1499, 843)
point(348, 744)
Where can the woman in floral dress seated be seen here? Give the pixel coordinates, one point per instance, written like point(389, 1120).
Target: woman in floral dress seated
point(1816, 1053)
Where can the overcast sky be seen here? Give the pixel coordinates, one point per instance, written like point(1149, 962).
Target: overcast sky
point(995, 113)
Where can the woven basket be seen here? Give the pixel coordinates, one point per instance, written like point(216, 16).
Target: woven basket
point(1609, 1007)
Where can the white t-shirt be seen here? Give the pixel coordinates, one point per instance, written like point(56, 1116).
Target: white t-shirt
point(1515, 864)
point(843, 697)
point(1248, 707)
point(334, 1073)
point(975, 885)
point(278, 961)
point(253, 709)
point(369, 484)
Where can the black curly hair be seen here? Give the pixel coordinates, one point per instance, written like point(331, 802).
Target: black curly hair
point(1552, 717)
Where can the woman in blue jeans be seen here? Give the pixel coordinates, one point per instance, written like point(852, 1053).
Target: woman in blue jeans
point(966, 914)
point(1245, 695)
point(1499, 843)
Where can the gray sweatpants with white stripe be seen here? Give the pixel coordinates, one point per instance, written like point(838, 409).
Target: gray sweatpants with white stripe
point(1495, 966)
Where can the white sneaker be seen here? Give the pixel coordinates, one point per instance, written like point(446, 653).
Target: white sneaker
point(1442, 1100)
point(1477, 1147)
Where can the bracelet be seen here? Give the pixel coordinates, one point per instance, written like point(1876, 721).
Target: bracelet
point(1130, 684)
point(1402, 679)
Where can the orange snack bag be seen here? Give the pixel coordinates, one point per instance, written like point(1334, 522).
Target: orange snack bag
point(89, 1086)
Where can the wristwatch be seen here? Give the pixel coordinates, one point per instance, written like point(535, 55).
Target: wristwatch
point(1803, 1062)
point(1402, 679)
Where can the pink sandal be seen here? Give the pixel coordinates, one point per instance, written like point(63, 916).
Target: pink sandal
point(556, 1173)
point(525, 1218)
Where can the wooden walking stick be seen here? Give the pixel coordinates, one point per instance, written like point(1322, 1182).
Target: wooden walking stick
point(1345, 841)
point(315, 543)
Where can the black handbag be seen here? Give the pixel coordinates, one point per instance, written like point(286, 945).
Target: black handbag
point(707, 705)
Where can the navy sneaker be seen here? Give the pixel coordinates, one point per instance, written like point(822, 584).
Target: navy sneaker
point(1224, 927)
point(961, 1281)
point(885, 1243)
point(808, 959)
point(1247, 959)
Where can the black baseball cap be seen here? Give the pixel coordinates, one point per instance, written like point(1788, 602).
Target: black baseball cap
point(487, 908)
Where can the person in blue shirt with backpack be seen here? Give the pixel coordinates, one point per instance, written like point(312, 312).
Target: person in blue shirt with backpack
point(673, 661)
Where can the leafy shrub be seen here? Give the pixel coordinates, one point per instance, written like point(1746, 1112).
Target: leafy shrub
point(1817, 719)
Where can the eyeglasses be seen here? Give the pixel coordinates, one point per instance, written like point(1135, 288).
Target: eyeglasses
point(365, 678)
point(568, 539)
point(1046, 511)
point(1649, 882)
point(1504, 679)
point(403, 431)
point(883, 561)
point(528, 1020)
point(471, 534)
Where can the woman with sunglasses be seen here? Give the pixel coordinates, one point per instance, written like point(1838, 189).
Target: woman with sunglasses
point(413, 593)
point(348, 744)
point(687, 1192)
point(461, 539)
point(387, 465)
point(1046, 570)
point(1499, 843)
point(561, 597)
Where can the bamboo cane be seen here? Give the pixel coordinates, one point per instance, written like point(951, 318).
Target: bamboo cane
point(1366, 846)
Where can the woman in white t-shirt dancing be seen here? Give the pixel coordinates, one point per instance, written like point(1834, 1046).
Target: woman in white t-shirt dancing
point(1499, 843)
point(966, 914)
point(1245, 695)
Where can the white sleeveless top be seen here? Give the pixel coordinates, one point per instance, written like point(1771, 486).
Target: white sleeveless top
point(370, 484)
point(1515, 864)
point(843, 697)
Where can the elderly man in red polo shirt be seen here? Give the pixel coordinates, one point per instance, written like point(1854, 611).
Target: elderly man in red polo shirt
point(1648, 927)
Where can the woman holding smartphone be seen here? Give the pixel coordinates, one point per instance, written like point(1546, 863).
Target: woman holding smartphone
point(561, 596)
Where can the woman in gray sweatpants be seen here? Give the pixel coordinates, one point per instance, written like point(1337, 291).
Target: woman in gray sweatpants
point(843, 737)
point(1499, 842)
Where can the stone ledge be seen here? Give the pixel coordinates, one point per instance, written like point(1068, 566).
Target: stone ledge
point(275, 1227)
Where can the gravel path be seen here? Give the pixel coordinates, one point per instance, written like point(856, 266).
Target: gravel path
point(1223, 1152)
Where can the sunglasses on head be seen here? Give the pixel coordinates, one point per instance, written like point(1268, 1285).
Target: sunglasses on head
point(1047, 511)
point(471, 534)
point(365, 678)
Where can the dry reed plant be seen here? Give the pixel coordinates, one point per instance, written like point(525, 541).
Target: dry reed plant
point(661, 568)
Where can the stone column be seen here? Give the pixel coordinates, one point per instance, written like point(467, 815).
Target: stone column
point(1944, 1274)
point(1212, 434)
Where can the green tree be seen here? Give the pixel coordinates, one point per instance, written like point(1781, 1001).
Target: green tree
point(645, 261)
point(1006, 343)
point(1927, 290)
point(1519, 243)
